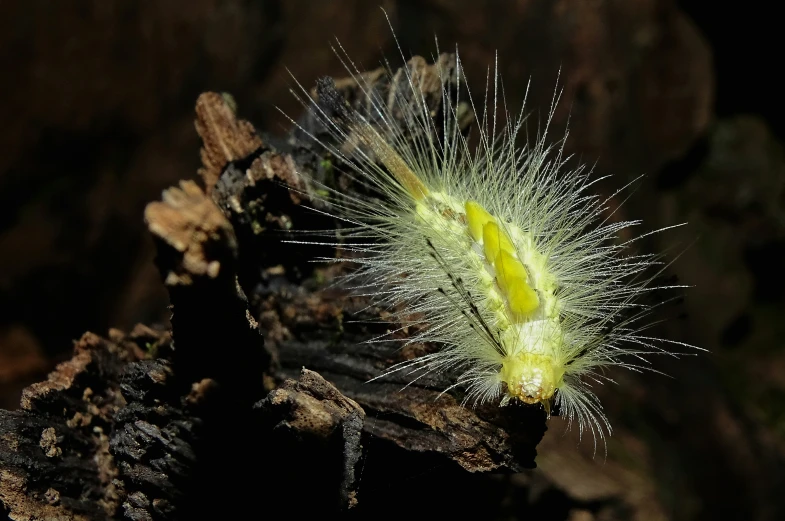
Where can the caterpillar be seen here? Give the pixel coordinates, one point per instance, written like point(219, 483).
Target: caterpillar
point(498, 253)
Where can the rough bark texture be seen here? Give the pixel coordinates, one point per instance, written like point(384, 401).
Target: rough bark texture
point(227, 425)
point(55, 459)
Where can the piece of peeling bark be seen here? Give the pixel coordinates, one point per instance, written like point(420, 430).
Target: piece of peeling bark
point(189, 222)
point(224, 137)
point(316, 431)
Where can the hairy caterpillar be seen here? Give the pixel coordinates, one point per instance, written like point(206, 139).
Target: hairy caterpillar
point(497, 253)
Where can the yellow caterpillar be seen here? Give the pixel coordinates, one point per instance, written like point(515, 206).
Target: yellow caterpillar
point(498, 253)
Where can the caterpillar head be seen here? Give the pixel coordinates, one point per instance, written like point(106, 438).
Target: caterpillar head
point(532, 372)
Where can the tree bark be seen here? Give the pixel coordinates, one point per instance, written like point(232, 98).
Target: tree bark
point(258, 397)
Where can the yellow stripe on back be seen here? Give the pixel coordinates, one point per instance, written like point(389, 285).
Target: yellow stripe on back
point(512, 277)
point(495, 241)
point(508, 268)
point(476, 218)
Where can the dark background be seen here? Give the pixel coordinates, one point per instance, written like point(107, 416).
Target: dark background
point(97, 104)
